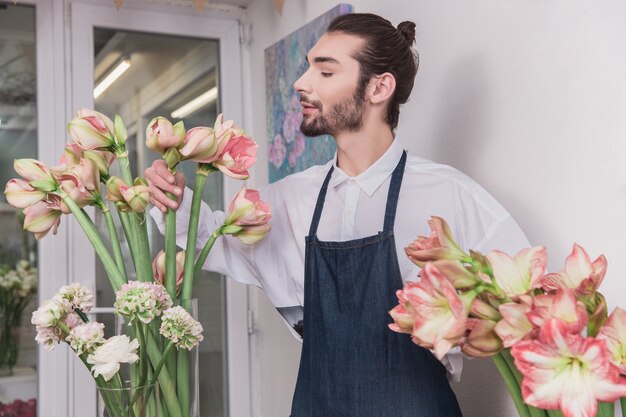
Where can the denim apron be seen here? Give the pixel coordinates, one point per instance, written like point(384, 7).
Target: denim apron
point(352, 364)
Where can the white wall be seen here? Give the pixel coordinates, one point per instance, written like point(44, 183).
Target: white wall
point(527, 97)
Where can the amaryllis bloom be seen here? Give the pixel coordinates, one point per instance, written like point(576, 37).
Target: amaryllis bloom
point(518, 275)
point(75, 296)
point(248, 216)
point(20, 194)
point(141, 301)
point(439, 245)
point(137, 196)
point(81, 181)
point(92, 130)
point(561, 305)
point(36, 174)
point(458, 275)
point(440, 312)
point(200, 145)
point(614, 335)
point(86, 337)
point(514, 325)
point(40, 219)
point(566, 371)
point(74, 153)
point(237, 157)
point(579, 274)
point(402, 314)
point(161, 135)
point(158, 268)
point(106, 359)
point(481, 340)
point(48, 314)
point(178, 326)
point(483, 310)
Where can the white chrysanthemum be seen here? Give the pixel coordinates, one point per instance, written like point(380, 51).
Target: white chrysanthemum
point(10, 280)
point(75, 296)
point(106, 359)
point(86, 337)
point(178, 326)
point(49, 314)
point(141, 300)
point(48, 337)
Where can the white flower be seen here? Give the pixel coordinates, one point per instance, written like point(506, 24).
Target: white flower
point(86, 337)
point(178, 326)
point(106, 359)
point(49, 314)
point(47, 337)
point(141, 300)
point(75, 296)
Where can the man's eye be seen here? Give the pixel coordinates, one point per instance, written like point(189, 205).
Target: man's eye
point(326, 74)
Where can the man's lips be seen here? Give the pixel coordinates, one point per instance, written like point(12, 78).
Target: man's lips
point(308, 108)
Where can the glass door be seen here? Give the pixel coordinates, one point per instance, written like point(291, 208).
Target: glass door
point(141, 63)
point(18, 249)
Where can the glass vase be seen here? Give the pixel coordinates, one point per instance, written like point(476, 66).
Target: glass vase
point(125, 400)
point(9, 347)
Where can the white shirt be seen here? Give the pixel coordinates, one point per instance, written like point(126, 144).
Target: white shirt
point(354, 208)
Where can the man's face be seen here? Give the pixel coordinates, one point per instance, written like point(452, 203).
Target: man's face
point(330, 97)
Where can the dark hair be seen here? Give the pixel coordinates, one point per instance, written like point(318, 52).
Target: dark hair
point(386, 49)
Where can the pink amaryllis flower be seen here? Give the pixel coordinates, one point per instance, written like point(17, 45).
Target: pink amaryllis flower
point(200, 145)
point(92, 130)
point(73, 153)
point(248, 217)
point(20, 194)
point(614, 335)
point(237, 157)
point(579, 274)
point(36, 173)
point(561, 305)
point(566, 371)
point(41, 219)
point(128, 197)
point(481, 339)
point(80, 181)
point(162, 135)
point(440, 312)
point(158, 268)
point(518, 275)
point(403, 313)
point(514, 325)
point(439, 244)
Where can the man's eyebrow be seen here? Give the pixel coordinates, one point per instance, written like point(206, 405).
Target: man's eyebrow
point(320, 59)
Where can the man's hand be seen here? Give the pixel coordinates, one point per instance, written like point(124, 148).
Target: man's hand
point(160, 181)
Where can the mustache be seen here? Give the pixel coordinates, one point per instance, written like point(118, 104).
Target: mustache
point(315, 103)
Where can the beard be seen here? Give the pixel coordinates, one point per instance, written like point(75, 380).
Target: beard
point(345, 116)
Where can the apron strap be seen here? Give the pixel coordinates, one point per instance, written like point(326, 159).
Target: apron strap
point(393, 193)
point(317, 214)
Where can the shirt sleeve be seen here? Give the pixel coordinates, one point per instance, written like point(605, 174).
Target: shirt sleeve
point(229, 256)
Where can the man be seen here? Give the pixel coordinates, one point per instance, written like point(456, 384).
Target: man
point(338, 231)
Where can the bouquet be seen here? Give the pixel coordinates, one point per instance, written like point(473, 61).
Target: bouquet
point(156, 306)
point(549, 334)
point(18, 286)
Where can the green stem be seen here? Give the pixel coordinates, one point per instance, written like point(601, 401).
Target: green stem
point(170, 250)
point(182, 381)
point(114, 274)
point(165, 380)
point(157, 371)
point(115, 242)
point(192, 235)
point(205, 251)
point(511, 384)
point(508, 358)
point(606, 409)
point(143, 261)
point(623, 404)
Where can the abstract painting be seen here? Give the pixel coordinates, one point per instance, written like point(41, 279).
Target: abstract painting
point(289, 150)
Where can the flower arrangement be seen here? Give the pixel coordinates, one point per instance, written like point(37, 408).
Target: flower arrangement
point(549, 334)
point(156, 306)
point(17, 288)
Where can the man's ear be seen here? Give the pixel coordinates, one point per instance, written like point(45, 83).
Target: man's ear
point(382, 87)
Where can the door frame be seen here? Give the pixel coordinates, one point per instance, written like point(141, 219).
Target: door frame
point(65, 49)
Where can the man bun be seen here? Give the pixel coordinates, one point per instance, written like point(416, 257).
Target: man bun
point(407, 29)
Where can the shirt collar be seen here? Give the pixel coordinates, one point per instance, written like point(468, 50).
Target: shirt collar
point(370, 179)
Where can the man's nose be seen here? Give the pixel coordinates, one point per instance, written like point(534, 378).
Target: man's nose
point(301, 85)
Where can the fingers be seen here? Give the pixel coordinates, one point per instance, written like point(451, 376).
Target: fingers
point(162, 201)
point(160, 181)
